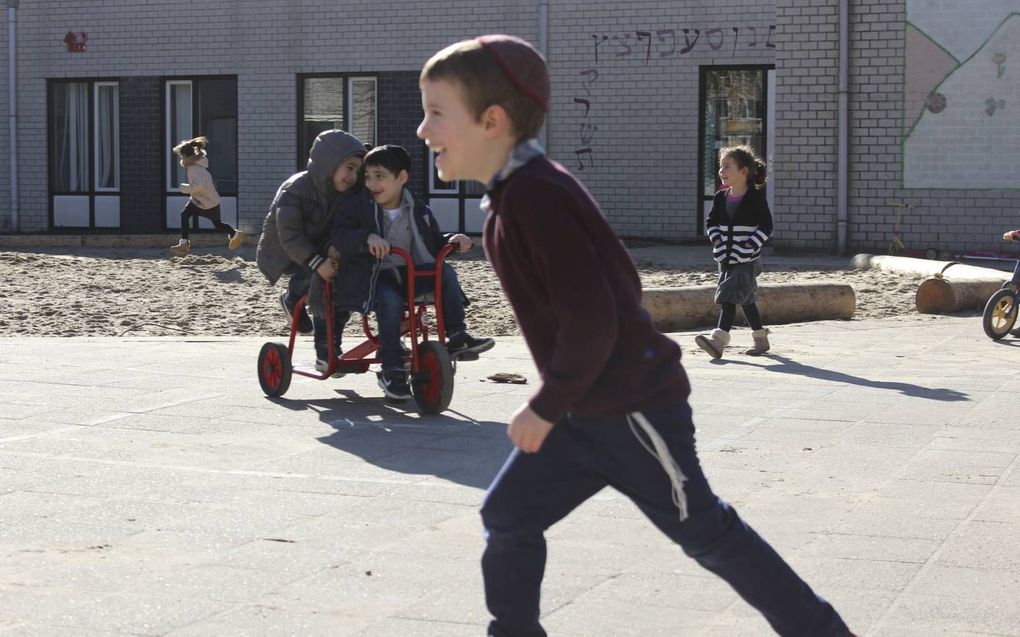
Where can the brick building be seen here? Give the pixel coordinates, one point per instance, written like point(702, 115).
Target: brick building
point(878, 117)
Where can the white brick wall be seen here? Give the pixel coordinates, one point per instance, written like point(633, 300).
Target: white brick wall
point(644, 102)
point(642, 122)
point(264, 43)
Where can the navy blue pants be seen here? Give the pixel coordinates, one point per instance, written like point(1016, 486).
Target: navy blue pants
point(297, 286)
point(583, 455)
point(391, 299)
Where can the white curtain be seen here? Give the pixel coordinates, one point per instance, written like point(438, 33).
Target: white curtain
point(72, 165)
point(363, 107)
point(181, 127)
point(107, 137)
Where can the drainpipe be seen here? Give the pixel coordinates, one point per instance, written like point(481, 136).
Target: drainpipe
point(12, 106)
point(543, 47)
point(843, 149)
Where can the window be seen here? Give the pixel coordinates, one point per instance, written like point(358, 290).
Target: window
point(205, 106)
point(107, 126)
point(84, 153)
point(455, 204)
point(733, 112)
point(335, 101)
point(202, 106)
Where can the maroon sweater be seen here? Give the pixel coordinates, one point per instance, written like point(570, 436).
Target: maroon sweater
point(577, 297)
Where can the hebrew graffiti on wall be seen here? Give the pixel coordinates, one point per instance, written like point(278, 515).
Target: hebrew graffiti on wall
point(961, 94)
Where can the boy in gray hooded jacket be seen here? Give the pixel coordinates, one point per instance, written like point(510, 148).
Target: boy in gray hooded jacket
point(295, 235)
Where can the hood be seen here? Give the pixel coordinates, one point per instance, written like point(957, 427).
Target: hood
point(329, 149)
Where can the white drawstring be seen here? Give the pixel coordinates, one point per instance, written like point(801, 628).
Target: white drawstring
point(661, 452)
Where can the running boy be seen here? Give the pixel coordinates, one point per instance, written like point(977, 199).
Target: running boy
point(612, 406)
point(373, 278)
point(295, 235)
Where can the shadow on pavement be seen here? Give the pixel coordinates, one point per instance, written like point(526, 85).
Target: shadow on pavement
point(790, 366)
point(395, 437)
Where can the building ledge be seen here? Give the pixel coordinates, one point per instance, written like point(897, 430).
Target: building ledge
point(202, 240)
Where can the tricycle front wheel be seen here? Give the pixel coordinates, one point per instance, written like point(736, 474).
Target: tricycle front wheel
point(432, 386)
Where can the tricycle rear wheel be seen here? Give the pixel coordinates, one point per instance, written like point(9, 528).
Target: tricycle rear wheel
point(275, 370)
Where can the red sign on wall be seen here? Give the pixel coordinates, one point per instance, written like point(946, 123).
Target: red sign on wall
point(75, 41)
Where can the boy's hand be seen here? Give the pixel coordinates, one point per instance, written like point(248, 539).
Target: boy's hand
point(527, 430)
point(327, 270)
point(333, 253)
point(378, 246)
point(462, 241)
point(1009, 236)
point(716, 243)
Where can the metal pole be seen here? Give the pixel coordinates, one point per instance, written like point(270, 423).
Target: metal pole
point(843, 150)
point(12, 106)
point(543, 47)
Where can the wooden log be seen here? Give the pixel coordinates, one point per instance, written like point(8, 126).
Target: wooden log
point(941, 295)
point(926, 267)
point(675, 309)
point(952, 286)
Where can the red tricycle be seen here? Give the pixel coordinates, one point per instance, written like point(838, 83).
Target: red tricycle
point(431, 368)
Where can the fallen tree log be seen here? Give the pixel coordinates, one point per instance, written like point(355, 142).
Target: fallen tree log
point(951, 286)
point(675, 309)
point(926, 267)
point(941, 295)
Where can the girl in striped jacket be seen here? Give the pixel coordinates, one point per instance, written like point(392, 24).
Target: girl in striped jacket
point(738, 226)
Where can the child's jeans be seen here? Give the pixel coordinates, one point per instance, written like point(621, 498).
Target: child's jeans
point(297, 284)
point(319, 333)
point(390, 300)
point(581, 456)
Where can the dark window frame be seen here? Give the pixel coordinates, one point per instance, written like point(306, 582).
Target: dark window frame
point(196, 122)
point(91, 192)
point(702, 89)
point(301, 151)
point(461, 195)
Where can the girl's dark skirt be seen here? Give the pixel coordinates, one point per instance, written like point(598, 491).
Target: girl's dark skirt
point(738, 283)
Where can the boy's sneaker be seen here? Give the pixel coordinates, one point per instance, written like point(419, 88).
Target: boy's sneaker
point(343, 368)
point(321, 366)
point(304, 321)
point(394, 385)
point(463, 343)
point(182, 249)
point(235, 240)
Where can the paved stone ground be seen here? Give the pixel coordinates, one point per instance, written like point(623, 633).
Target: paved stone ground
point(147, 487)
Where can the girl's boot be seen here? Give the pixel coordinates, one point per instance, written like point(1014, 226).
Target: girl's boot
point(182, 249)
point(713, 343)
point(761, 342)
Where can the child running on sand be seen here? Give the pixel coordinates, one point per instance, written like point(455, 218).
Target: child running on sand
point(204, 201)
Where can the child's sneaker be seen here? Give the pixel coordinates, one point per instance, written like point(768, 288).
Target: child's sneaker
point(182, 249)
point(235, 240)
point(304, 321)
point(463, 343)
point(321, 366)
point(394, 385)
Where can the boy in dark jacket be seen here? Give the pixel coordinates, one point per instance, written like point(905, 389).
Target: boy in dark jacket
point(295, 235)
point(371, 277)
point(612, 405)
